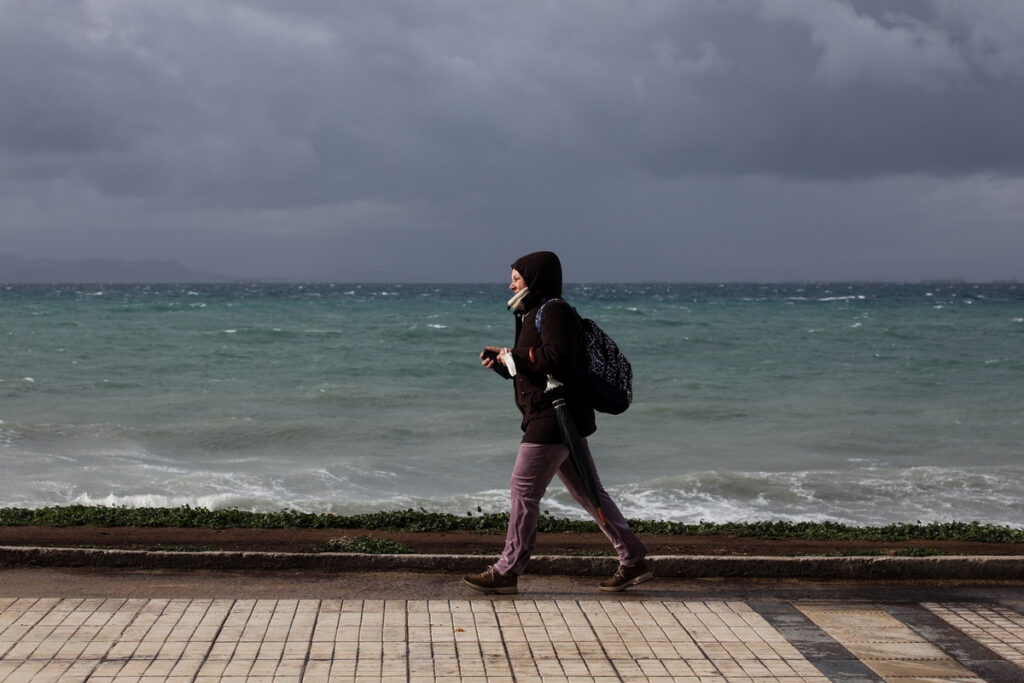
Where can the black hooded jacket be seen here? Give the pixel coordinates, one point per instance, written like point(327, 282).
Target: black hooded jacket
point(556, 350)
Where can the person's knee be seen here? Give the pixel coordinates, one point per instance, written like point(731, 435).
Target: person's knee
point(525, 489)
point(526, 497)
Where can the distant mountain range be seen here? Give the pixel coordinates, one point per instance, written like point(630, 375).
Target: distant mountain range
point(15, 269)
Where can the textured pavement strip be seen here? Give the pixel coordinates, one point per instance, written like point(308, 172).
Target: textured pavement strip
point(884, 644)
point(998, 628)
point(496, 639)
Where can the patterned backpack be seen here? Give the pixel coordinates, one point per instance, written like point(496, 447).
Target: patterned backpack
point(607, 375)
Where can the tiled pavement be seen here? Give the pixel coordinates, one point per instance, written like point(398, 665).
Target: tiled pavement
point(506, 639)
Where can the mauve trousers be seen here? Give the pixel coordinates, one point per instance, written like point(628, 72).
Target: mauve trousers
point(536, 465)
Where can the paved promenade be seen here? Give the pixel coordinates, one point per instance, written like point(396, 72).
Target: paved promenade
point(170, 625)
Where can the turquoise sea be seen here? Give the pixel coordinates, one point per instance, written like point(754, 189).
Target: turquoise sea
point(860, 403)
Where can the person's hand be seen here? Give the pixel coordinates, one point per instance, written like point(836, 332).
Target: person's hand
point(488, 360)
point(493, 357)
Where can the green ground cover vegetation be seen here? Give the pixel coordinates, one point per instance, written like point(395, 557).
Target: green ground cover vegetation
point(363, 544)
point(425, 521)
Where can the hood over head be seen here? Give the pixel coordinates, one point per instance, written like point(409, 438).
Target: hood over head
point(542, 273)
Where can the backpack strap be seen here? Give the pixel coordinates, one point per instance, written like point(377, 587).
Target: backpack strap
point(540, 312)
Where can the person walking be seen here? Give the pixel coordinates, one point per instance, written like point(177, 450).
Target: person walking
point(553, 350)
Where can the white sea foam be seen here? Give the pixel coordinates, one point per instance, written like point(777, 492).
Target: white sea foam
point(868, 493)
point(135, 500)
point(860, 496)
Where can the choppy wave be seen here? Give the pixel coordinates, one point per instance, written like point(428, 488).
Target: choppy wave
point(866, 493)
point(872, 496)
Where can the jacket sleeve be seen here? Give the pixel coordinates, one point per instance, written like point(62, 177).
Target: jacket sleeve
point(560, 333)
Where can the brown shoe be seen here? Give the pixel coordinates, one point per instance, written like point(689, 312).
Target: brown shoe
point(490, 581)
point(628, 576)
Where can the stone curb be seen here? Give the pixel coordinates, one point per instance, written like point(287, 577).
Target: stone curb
point(976, 568)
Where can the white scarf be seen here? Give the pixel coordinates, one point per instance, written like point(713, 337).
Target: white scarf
point(516, 302)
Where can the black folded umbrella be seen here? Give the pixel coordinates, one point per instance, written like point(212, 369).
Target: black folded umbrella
point(574, 444)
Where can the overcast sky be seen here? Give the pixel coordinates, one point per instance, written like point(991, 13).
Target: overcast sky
point(404, 140)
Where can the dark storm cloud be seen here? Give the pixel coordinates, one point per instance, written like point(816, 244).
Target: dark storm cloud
point(265, 135)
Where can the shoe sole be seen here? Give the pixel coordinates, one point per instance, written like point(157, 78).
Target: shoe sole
point(504, 590)
point(635, 581)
